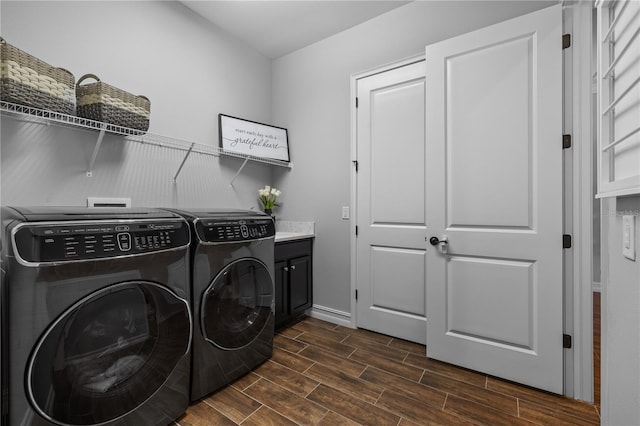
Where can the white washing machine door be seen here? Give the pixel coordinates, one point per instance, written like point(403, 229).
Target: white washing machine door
point(237, 305)
point(108, 353)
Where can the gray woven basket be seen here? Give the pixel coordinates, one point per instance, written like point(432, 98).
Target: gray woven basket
point(102, 102)
point(27, 80)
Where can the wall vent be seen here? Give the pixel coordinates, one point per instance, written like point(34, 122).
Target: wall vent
point(108, 202)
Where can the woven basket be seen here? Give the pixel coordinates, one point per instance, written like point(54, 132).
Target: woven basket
point(102, 102)
point(26, 80)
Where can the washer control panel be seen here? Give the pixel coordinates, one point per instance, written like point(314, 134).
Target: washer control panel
point(67, 241)
point(216, 231)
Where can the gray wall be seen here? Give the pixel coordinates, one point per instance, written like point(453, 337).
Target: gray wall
point(311, 98)
point(189, 69)
point(620, 317)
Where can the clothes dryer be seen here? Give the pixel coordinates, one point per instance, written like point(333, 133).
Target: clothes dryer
point(97, 312)
point(232, 294)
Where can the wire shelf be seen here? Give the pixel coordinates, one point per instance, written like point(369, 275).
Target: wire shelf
point(42, 116)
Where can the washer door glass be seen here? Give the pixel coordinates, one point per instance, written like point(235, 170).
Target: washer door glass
point(237, 304)
point(108, 353)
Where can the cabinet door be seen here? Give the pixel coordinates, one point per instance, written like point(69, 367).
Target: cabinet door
point(281, 308)
point(300, 284)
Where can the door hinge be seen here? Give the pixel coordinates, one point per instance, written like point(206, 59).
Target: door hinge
point(566, 241)
point(566, 41)
point(355, 163)
point(566, 141)
point(566, 341)
point(356, 230)
point(356, 294)
point(356, 102)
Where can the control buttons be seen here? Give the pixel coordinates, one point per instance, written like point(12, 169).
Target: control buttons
point(122, 228)
point(244, 231)
point(124, 241)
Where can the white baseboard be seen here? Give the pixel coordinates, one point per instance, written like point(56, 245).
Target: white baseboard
point(596, 287)
point(330, 315)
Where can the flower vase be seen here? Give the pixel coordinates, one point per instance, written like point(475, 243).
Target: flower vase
point(270, 213)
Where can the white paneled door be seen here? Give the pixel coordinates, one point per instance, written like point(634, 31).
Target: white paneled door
point(494, 189)
point(391, 203)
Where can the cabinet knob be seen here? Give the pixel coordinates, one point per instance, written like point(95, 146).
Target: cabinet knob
point(286, 269)
point(293, 267)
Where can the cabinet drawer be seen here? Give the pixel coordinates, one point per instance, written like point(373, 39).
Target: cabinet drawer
point(289, 249)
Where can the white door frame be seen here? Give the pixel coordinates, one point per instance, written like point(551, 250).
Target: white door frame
point(578, 312)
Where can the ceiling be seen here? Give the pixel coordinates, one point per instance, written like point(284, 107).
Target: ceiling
point(276, 28)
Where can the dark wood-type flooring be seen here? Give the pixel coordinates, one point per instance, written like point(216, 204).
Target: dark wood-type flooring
point(326, 374)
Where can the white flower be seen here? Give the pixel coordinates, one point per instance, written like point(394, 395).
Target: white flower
point(267, 196)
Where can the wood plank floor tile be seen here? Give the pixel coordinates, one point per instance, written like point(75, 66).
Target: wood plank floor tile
point(232, 403)
point(319, 330)
point(366, 334)
point(328, 344)
point(419, 392)
point(289, 332)
point(546, 416)
point(328, 359)
point(335, 419)
point(481, 414)
point(346, 383)
point(202, 414)
point(458, 373)
point(376, 348)
point(245, 381)
point(265, 416)
point(505, 403)
point(288, 344)
point(559, 403)
point(367, 373)
point(351, 407)
point(404, 370)
point(286, 377)
point(419, 413)
point(321, 323)
point(408, 346)
point(291, 360)
point(300, 410)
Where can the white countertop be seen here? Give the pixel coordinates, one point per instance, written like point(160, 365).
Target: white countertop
point(287, 230)
point(290, 236)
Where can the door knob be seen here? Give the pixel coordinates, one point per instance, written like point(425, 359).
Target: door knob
point(435, 241)
point(440, 242)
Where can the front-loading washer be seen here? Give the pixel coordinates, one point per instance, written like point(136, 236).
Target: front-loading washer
point(97, 313)
point(232, 294)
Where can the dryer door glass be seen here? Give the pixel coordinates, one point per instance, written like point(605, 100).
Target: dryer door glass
point(108, 353)
point(237, 304)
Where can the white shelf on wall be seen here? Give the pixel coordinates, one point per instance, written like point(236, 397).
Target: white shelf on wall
point(41, 116)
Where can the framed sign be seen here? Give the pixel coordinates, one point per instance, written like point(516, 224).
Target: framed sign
point(253, 139)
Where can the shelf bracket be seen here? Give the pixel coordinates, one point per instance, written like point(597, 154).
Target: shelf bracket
point(244, 163)
point(175, 178)
point(92, 162)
